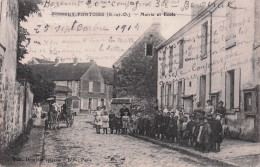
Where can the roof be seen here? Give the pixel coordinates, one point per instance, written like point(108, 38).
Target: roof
point(59, 88)
point(121, 101)
point(43, 61)
point(69, 72)
point(154, 27)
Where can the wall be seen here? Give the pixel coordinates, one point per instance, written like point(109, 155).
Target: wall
point(93, 74)
point(8, 52)
point(221, 58)
point(15, 125)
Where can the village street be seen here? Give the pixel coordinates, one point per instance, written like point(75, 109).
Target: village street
point(79, 145)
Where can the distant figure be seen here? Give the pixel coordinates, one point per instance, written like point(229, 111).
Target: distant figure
point(105, 122)
point(98, 123)
point(38, 115)
point(221, 110)
point(112, 117)
point(125, 120)
point(123, 110)
point(209, 109)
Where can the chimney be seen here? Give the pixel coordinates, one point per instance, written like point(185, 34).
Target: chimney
point(196, 10)
point(57, 61)
point(156, 24)
point(75, 61)
point(92, 61)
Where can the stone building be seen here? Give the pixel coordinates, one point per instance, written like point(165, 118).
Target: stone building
point(215, 56)
point(136, 69)
point(13, 115)
point(90, 85)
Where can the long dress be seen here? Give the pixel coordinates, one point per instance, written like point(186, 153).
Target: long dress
point(125, 120)
point(38, 114)
point(105, 121)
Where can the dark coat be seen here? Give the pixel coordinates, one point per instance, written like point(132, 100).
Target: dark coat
point(216, 131)
point(112, 117)
point(123, 110)
point(190, 127)
point(172, 128)
point(206, 133)
point(118, 123)
point(222, 111)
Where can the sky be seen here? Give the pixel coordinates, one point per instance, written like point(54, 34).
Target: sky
point(101, 30)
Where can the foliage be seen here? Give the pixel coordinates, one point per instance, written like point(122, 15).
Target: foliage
point(138, 73)
point(26, 7)
point(41, 89)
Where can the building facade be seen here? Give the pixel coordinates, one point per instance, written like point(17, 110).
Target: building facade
point(215, 56)
point(136, 69)
point(90, 85)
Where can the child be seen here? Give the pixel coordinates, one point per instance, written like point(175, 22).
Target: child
point(125, 120)
point(98, 123)
point(118, 123)
point(95, 120)
point(105, 122)
point(112, 117)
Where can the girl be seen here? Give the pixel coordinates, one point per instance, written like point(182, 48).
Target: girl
point(98, 123)
point(125, 120)
point(105, 122)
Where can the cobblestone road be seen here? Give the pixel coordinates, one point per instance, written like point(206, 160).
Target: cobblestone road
point(79, 145)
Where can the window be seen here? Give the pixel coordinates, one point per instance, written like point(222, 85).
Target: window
point(102, 88)
point(90, 87)
point(230, 89)
point(69, 84)
point(162, 95)
point(230, 31)
point(202, 95)
point(204, 39)
point(248, 101)
point(169, 95)
point(76, 104)
point(163, 63)
point(181, 45)
point(148, 49)
point(171, 59)
point(102, 102)
point(179, 94)
point(90, 103)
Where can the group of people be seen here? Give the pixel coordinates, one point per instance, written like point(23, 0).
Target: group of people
point(201, 129)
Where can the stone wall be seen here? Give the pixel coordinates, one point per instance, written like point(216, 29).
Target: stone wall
point(17, 121)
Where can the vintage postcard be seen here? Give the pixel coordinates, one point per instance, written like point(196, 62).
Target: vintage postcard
point(129, 83)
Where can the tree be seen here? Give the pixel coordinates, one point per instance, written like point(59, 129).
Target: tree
point(137, 76)
point(41, 88)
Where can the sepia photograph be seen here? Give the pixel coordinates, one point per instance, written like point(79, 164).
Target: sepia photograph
point(129, 83)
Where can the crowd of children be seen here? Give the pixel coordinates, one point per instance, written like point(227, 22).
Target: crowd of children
point(202, 129)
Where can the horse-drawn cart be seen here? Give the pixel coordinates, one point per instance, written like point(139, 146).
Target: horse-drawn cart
point(59, 113)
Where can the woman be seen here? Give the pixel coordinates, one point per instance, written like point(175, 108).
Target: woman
point(38, 115)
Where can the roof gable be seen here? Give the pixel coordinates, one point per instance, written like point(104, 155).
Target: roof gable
point(153, 29)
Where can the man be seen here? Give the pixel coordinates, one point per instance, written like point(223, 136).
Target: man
point(221, 110)
point(123, 110)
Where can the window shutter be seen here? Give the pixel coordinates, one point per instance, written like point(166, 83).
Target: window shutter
point(237, 88)
point(91, 86)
